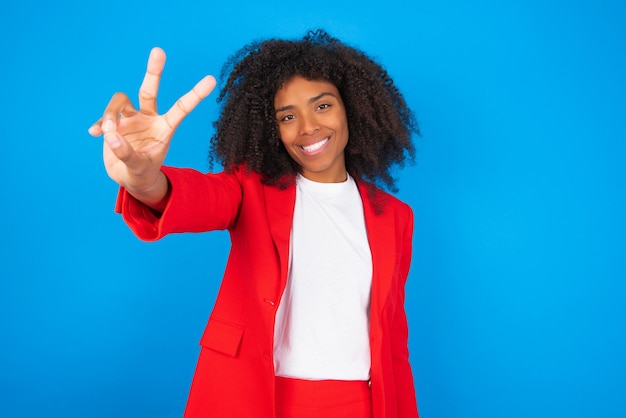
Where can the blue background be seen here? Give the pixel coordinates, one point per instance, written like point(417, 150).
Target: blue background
point(516, 297)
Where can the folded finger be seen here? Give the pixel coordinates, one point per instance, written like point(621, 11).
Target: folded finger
point(123, 150)
point(119, 104)
point(95, 129)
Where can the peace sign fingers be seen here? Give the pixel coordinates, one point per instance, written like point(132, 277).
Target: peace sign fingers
point(189, 101)
point(150, 85)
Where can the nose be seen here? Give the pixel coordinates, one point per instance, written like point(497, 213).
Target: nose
point(309, 124)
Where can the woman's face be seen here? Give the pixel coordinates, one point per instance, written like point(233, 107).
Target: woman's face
point(313, 127)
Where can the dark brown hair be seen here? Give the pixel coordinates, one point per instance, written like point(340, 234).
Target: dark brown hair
point(380, 123)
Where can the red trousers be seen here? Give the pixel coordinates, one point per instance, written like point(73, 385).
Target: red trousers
point(297, 398)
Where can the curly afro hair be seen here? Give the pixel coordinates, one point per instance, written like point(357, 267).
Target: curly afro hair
point(380, 123)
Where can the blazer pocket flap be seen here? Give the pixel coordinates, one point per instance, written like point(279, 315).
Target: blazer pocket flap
point(222, 336)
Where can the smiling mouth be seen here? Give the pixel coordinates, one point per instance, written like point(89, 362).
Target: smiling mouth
point(315, 147)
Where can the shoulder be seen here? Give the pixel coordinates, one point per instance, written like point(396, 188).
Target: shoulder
point(248, 176)
point(244, 175)
point(383, 202)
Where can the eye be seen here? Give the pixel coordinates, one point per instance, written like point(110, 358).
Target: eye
point(287, 118)
point(323, 106)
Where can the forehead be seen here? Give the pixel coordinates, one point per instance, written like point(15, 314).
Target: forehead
point(299, 88)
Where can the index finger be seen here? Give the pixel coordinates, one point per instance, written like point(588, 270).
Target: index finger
point(189, 101)
point(150, 85)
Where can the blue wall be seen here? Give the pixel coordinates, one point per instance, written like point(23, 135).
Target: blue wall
point(516, 298)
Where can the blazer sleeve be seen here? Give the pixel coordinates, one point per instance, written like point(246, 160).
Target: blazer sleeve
point(198, 202)
point(407, 404)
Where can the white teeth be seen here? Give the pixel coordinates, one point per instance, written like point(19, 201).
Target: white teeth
point(316, 146)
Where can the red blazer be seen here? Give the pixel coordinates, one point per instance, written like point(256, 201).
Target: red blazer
point(234, 375)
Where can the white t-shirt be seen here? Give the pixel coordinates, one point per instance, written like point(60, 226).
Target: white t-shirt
point(322, 322)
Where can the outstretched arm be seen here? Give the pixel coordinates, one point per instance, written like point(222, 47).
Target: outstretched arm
point(136, 141)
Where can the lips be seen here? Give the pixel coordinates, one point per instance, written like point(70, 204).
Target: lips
point(310, 149)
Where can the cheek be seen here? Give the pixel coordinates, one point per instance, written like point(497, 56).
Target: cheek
point(292, 153)
point(341, 122)
point(285, 133)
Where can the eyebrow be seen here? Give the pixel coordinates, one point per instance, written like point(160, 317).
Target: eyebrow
point(311, 100)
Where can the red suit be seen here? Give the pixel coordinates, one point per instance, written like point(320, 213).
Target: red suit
point(235, 376)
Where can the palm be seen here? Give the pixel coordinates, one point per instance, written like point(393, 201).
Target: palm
point(148, 135)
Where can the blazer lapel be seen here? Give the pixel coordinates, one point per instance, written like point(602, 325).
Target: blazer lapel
point(279, 206)
point(380, 233)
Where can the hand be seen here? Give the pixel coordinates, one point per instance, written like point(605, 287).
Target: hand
point(136, 141)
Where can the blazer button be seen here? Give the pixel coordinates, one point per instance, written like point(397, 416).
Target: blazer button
point(267, 357)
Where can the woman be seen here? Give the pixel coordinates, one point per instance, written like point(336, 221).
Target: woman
point(309, 319)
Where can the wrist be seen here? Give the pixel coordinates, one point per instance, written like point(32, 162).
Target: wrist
point(156, 196)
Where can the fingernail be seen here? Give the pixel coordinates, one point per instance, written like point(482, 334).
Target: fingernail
point(108, 125)
point(113, 140)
